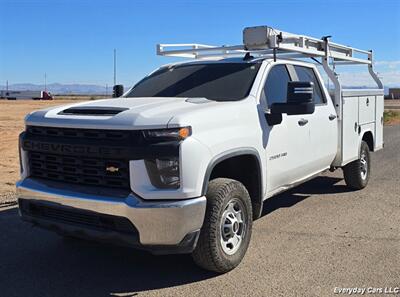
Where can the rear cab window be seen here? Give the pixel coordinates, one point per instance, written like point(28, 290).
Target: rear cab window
point(308, 74)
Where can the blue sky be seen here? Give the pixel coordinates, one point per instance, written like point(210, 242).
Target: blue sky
point(72, 41)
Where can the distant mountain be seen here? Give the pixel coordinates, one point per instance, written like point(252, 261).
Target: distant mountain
point(63, 89)
point(89, 89)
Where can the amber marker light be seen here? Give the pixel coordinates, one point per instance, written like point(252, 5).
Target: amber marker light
point(184, 132)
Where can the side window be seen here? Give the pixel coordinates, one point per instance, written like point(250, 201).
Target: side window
point(307, 74)
point(275, 88)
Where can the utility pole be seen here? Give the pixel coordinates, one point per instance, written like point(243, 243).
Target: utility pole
point(115, 67)
point(106, 90)
point(7, 85)
point(45, 82)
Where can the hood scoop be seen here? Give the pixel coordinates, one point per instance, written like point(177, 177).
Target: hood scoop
point(92, 111)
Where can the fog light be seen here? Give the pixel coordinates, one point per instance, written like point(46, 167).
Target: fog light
point(164, 173)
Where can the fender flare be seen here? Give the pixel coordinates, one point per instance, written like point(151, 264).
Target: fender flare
point(257, 204)
point(368, 130)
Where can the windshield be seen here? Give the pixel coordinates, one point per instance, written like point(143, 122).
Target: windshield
point(215, 81)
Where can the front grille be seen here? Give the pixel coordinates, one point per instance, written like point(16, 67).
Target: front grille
point(81, 156)
point(80, 170)
point(76, 217)
point(89, 157)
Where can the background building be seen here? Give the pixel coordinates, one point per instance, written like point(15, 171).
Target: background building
point(394, 93)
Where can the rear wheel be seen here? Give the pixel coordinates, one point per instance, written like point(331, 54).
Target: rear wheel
point(226, 232)
point(356, 173)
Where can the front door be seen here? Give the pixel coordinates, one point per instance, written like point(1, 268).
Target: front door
point(288, 146)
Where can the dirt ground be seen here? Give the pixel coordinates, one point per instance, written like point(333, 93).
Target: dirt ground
point(12, 115)
point(392, 108)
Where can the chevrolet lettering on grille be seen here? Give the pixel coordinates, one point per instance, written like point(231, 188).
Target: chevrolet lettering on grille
point(71, 149)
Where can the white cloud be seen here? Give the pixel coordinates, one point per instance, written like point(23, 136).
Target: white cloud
point(390, 78)
point(388, 64)
point(358, 79)
point(388, 71)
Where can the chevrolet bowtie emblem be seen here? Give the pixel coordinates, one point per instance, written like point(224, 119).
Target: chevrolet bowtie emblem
point(112, 169)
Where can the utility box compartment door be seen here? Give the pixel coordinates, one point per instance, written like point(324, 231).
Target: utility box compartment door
point(366, 109)
point(350, 136)
point(379, 107)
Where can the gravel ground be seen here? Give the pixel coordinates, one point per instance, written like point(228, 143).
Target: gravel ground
point(8, 199)
point(310, 240)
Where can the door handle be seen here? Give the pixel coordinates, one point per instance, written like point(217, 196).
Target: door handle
point(332, 117)
point(302, 122)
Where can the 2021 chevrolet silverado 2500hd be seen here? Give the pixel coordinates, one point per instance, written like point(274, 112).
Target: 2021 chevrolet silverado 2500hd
point(182, 162)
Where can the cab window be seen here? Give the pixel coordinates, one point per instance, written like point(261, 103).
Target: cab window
point(308, 74)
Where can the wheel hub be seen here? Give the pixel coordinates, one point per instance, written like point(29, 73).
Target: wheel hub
point(233, 226)
point(364, 166)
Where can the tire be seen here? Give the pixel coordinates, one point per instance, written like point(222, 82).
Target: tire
point(357, 173)
point(222, 249)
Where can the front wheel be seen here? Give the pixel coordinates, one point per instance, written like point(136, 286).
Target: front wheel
point(356, 173)
point(226, 232)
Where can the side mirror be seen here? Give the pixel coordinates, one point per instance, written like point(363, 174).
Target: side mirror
point(118, 91)
point(299, 99)
point(300, 91)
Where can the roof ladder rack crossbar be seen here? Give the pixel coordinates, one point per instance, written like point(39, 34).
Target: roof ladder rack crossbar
point(195, 50)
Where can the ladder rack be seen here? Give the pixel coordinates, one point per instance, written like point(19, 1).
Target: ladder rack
point(267, 42)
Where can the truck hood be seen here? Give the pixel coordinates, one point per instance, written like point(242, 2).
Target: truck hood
point(133, 113)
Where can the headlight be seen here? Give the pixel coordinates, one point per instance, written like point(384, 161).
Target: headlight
point(164, 173)
point(168, 134)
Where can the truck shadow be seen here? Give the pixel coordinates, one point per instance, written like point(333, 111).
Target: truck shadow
point(34, 262)
point(319, 185)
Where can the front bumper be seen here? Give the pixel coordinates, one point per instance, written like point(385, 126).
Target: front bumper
point(161, 225)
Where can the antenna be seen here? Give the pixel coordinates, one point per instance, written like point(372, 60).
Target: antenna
point(115, 67)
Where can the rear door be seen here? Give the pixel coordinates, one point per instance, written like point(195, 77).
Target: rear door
point(288, 145)
point(322, 123)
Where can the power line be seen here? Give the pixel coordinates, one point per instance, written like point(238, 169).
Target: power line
point(115, 67)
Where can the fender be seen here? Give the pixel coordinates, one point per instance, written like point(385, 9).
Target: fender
point(258, 202)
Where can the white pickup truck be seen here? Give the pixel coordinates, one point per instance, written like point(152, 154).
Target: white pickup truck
point(182, 162)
